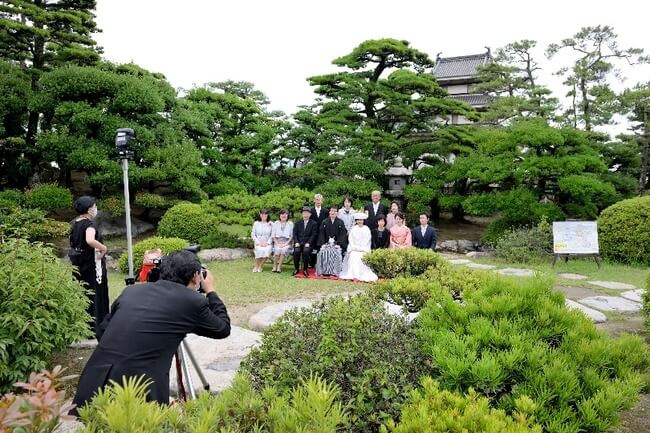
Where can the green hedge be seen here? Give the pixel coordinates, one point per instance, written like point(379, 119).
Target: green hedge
point(624, 231)
point(166, 245)
point(49, 197)
point(515, 337)
point(11, 199)
point(30, 224)
point(187, 221)
point(153, 201)
point(373, 357)
point(390, 263)
point(42, 309)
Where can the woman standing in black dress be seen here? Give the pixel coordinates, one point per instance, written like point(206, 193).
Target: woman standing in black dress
point(87, 253)
point(380, 235)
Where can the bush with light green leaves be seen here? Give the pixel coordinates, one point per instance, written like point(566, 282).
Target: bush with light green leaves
point(48, 197)
point(187, 221)
point(624, 231)
point(391, 263)
point(166, 245)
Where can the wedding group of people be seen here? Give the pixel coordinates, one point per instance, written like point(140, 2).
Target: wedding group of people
point(334, 240)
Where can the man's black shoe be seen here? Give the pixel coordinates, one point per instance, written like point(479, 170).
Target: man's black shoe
point(305, 273)
point(295, 272)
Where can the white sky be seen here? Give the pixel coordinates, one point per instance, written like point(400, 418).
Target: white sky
point(278, 44)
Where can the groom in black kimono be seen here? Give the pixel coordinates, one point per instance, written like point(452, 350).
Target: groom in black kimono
point(332, 242)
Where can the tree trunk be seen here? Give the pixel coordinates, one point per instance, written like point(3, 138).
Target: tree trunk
point(38, 62)
point(645, 153)
point(586, 106)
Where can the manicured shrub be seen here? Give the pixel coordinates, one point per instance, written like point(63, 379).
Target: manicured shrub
point(42, 308)
point(11, 199)
point(523, 245)
point(49, 197)
point(224, 187)
point(514, 338)
point(414, 292)
point(186, 221)
point(434, 410)
point(624, 231)
point(152, 201)
point(390, 263)
point(221, 239)
point(311, 406)
point(166, 245)
point(373, 357)
point(114, 204)
point(30, 224)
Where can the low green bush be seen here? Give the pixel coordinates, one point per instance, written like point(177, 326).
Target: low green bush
point(113, 204)
point(311, 406)
point(434, 410)
point(31, 224)
point(186, 221)
point(414, 292)
point(42, 309)
point(221, 239)
point(372, 356)
point(166, 245)
point(390, 263)
point(624, 231)
point(11, 199)
point(527, 244)
point(153, 201)
point(646, 302)
point(515, 337)
point(48, 197)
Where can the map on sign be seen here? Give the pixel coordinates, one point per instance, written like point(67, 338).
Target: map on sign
point(575, 237)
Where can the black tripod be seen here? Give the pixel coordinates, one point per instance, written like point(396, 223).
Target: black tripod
point(186, 390)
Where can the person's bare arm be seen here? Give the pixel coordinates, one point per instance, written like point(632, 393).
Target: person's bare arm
point(91, 241)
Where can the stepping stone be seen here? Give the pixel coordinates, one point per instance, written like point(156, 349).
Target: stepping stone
point(479, 266)
point(218, 359)
point(611, 303)
point(459, 261)
point(595, 316)
point(84, 344)
point(569, 276)
point(515, 272)
point(614, 285)
point(267, 316)
point(633, 295)
point(397, 310)
point(477, 254)
point(576, 292)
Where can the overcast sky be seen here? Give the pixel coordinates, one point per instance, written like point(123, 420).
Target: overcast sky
point(278, 44)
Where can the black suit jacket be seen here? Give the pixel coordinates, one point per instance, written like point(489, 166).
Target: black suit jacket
point(336, 230)
point(305, 235)
point(142, 332)
point(371, 222)
point(380, 239)
point(324, 214)
point(426, 242)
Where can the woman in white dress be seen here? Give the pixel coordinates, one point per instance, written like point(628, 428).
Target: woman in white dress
point(261, 235)
point(359, 244)
point(282, 235)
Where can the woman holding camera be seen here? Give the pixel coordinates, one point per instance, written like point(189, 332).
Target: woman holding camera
point(87, 253)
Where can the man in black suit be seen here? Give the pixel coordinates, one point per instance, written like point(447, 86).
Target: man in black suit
point(318, 214)
point(305, 236)
point(147, 323)
point(333, 227)
point(374, 208)
point(424, 236)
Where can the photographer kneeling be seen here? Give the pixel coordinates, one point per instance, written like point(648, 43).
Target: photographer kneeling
point(147, 323)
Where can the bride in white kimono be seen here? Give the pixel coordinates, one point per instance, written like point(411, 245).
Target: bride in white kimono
point(359, 241)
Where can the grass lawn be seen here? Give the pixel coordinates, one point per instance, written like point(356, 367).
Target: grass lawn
point(236, 229)
point(237, 285)
point(635, 275)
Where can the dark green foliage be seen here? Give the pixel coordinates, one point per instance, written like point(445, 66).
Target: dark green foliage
point(186, 221)
point(11, 199)
point(48, 197)
point(42, 309)
point(515, 338)
point(391, 263)
point(114, 204)
point(359, 190)
point(585, 196)
point(220, 239)
point(434, 410)
point(373, 357)
point(225, 187)
point(526, 244)
point(31, 224)
point(166, 245)
point(646, 302)
point(624, 231)
point(153, 201)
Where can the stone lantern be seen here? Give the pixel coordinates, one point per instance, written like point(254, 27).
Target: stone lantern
point(398, 177)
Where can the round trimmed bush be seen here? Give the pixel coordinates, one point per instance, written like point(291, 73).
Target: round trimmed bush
point(42, 309)
point(186, 221)
point(624, 231)
point(166, 245)
point(49, 197)
point(372, 356)
point(11, 199)
point(390, 263)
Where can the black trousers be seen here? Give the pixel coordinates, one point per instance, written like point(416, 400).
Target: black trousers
point(305, 253)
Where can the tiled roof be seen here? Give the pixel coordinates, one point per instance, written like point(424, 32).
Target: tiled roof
point(461, 66)
point(473, 99)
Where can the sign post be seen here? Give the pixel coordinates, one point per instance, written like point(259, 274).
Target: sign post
point(575, 238)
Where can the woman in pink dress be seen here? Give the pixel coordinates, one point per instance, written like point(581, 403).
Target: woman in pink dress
point(400, 235)
point(390, 218)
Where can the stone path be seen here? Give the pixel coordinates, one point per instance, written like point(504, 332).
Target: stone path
point(594, 315)
point(633, 295)
point(614, 304)
point(516, 272)
point(269, 315)
point(569, 276)
point(614, 285)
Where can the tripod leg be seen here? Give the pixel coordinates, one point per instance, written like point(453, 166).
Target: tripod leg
point(199, 372)
point(191, 392)
point(182, 394)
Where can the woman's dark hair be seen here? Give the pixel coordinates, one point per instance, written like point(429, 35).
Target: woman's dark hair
point(400, 215)
point(380, 216)
point(179, 267)
point(394, 202)
point(283, 212)
point(348, 198)
point(83, 203)
point(426, 214)
point(265, 211)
